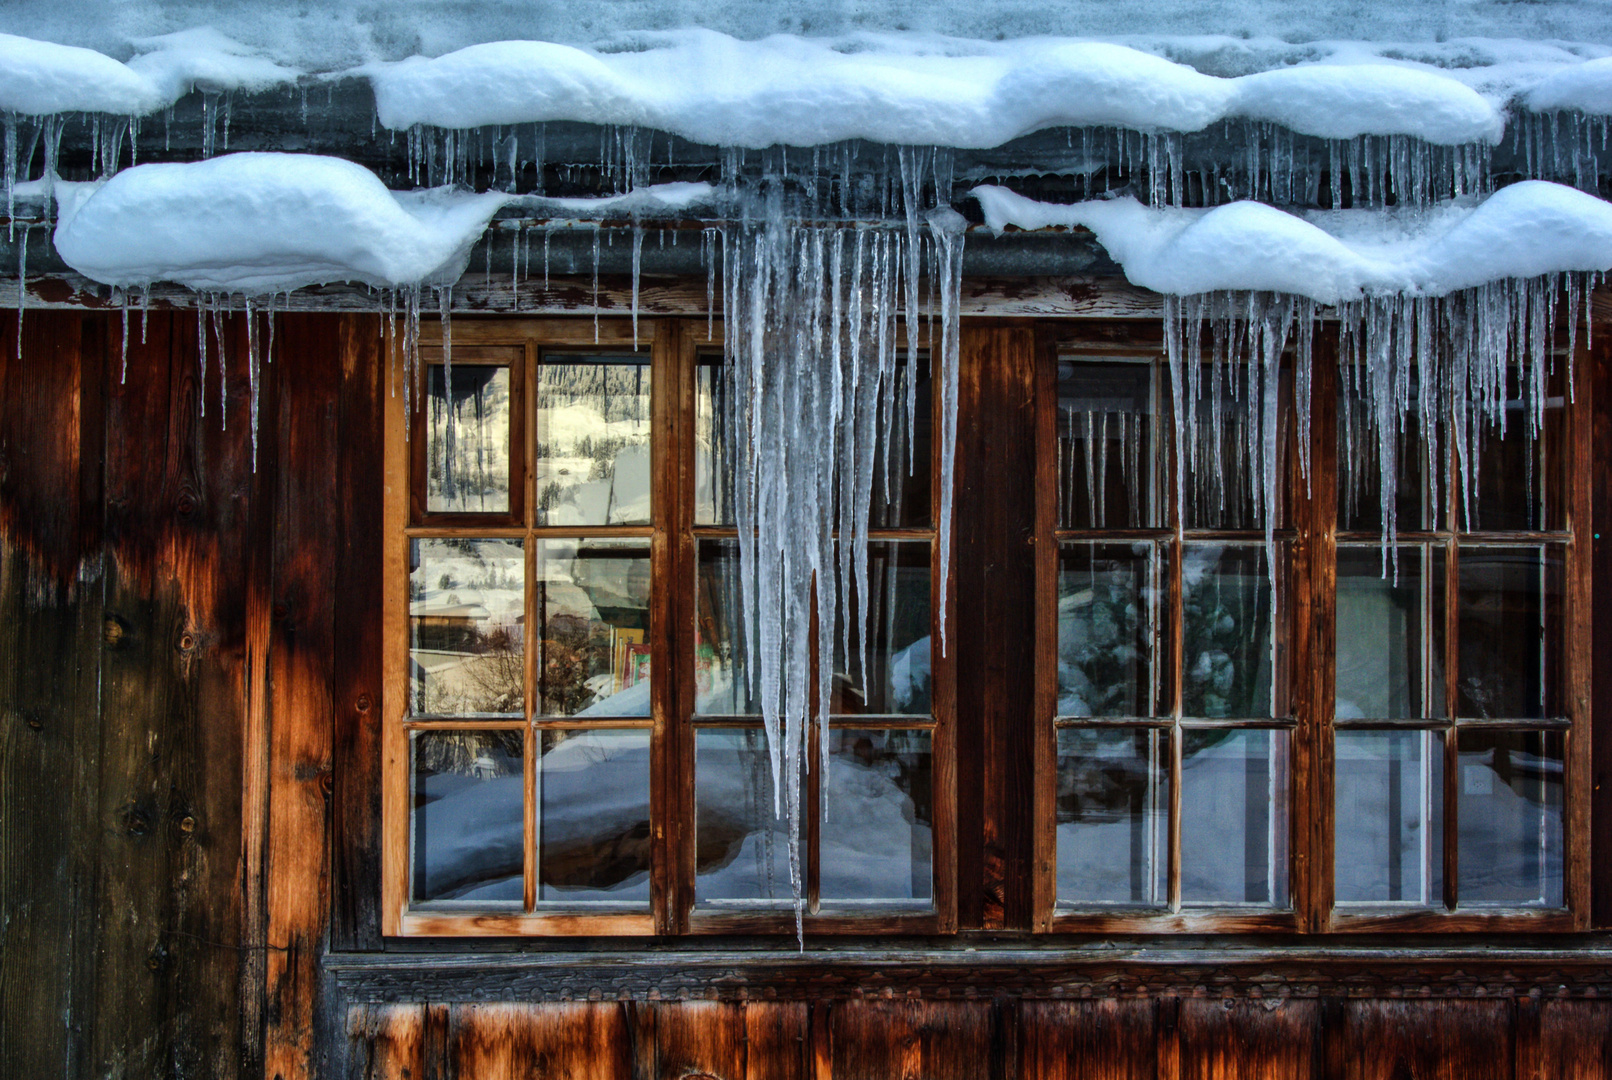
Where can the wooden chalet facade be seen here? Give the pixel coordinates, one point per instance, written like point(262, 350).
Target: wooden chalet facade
point(205, 677)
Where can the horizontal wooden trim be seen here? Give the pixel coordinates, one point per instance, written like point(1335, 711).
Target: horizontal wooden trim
point(971, 967)
point(1205, 921)
point(1464, 921)
point(874, 921)
point(535, 924)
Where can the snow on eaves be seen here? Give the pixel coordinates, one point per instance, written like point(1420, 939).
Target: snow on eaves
point(1520, 231)
point(266, 223)
point(39, 78)
point(1585, 87)
point(717, 90)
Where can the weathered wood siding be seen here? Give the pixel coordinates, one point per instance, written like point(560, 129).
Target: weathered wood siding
point(189, 804)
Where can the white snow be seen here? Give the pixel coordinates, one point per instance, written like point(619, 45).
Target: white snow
point(1586, 87)
point(796, 91)
point(265, 223)
point(657, 200)
point(39, 77)
point(1520, 231)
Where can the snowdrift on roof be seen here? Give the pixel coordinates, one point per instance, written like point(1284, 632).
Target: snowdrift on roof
point(266, 223)
point(787, 90)
point(39, 78)
point(1521, 231)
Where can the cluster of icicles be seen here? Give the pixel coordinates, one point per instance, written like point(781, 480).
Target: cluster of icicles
point(1455, 363)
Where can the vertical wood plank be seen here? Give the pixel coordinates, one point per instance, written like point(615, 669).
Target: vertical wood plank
point(581, 1041)
point(356, 692)
point(935, 1040)
point(1575, 1040)
point(308, 371)
point(777, 1040)
point(386, 1042)
point(1237, 1038)
point(1099, 1040)
point(700, 1039)
point(50, 631)
point(994, 524)
point(1599, 386)
point(1386, 1040)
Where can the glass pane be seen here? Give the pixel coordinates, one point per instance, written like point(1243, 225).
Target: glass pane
point(1510, 604)
point(466, 627)
point(592, 431)
point(1388, 840)
point(1226, 656)
point(593, 816)
point(1108, 446)
point(741, 848)
point(900, 495)
point(1234, 816)
point(593, 607)
point(1510, 818)
point(1110, 634)
point(1421, 465)
point(879, 816)
point(896, 635)
point(1228, 408)
point(1379, 642)
point(1113, 816)
point(468, 803)
point(467, 461)
point(713, 458)
point(1516, 475)
point(721, 670)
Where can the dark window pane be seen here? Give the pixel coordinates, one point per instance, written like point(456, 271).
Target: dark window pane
point(897, 645)
point(879, 815)
point(1226, 631)
point(713, 457)
point(1113, 816)
point(899, 498)
point(1421, 480)
point(1111, 637)
point(1229, 411)
point(1108, 446)
point(593, 816)
point(1515, 478)
point(1234, 816)
point(467, 461)
point(467, 803)
point(593, 607)
point(1388, 840)
point(722, 672)
point(1380, 651)
point(741, 846)
point(592, 423)
point(466, 623)
point(1510, 818)
point(1509, 632)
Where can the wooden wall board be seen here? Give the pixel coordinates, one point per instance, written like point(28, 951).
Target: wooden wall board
point(1236, 1038)
point(1385, 1040)
point(1088, 1040)
point(386, 1042)
point(577, 1041)
point(1575, 1041)
point(875, 1039)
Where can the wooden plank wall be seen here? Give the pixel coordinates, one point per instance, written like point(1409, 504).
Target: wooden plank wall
point(188, 797)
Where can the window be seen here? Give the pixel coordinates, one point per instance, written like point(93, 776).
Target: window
point(573, 743)
point(1319, 730)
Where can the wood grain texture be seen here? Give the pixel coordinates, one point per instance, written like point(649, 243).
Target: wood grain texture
point(1235, 1038)
point(50, 632)
point(913, 1040)
point(1599, 367)
point(1386, 1040)
point(386, 1042)
point(580, 1041)
point(1088, 1040)
point(1575, 1040)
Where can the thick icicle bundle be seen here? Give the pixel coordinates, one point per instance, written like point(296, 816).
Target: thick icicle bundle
point(812, 342)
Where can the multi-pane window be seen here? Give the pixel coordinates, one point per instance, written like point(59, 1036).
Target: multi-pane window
point(1209, 712)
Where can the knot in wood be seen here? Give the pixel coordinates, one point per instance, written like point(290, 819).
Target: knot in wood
point(187, 824)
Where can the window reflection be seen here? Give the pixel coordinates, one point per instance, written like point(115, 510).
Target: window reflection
point(467, 801)
point(466, 627)
point(592, 424)
point(593, 606)
point(467, 460)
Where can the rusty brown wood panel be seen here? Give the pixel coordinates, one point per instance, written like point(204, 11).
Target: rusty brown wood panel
point(50, 629)
point(1388, 1040)
point(1575, 1041)
point(356, 749)
point(993, 519)
point(1600, 370)
point(178, 523)
point(578, 1041)
point(1238, 1038)
point(386, 1042)
point(1088, 1040)
point(752, 1040)
point(307, 373)
point(915, 1040)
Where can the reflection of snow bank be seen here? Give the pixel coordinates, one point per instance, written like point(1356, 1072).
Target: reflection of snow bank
point(1521, 231)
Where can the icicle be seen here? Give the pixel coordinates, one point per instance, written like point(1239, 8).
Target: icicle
point(123, 371)
point(251, 376)
point(22, 285)
point(595, 283)
point(445, 312)
point(637, 262)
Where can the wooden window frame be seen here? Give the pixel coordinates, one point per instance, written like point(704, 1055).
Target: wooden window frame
point(1313, 532)
point(675, 347)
